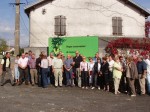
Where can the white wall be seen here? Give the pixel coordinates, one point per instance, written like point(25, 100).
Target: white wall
point(84, 17)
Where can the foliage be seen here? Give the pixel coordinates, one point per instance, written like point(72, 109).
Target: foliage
point(147, 28)
point(141, 45)
point(3, 45)
point(56, 44)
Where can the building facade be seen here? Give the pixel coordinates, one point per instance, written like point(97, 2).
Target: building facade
point(103, 18)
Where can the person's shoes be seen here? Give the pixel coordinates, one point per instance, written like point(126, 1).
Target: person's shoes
point(83, 87)
point(32, 84)
point(133, 95)
point(93, 88)
point(2, 84)
point(26, 83)
point(99, 88)
point(56, 86)
point(13, 84)
point(86, 88)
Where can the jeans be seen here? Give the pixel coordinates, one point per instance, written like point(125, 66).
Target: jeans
point(44, 77)
point(148, 83)
point(48, 75)
point(17, 73)
point(68, 76)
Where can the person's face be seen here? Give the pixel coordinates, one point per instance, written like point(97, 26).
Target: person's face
point(96, 55)
point(30, 53)
point(84, 59)
point(8, 55)
point(26, 55)
point(68, 56)
point(33, 56)
point(98, 61)
point(139, 59)
point(110, 58)
point(51, 55)
point(91, 60)
point(23, 55)
point(121, 59)
point(77, 53)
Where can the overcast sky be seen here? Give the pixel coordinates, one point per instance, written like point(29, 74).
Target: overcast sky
point(7, 20)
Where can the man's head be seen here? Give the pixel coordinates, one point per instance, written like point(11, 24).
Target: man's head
point(26, 54)
point(140, 58)
point(30, 52)
point(77, 53)
point(97, 55)
point(33, 56)
point(7, 54)
point(59, 55)
point(23, 55)
point(68, 56)
point(51, 55)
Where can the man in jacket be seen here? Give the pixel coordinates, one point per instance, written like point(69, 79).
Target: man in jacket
point(6, 69)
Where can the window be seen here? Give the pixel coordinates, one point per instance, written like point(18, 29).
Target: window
point(60, 25)
point(117, 25)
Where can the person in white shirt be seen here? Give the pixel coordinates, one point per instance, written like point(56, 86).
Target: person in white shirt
point(147, 61)
point(23, 69)
point(84, 72)
point(57, 66)
point(50, 73)
point(91, 71)
point(44, 66)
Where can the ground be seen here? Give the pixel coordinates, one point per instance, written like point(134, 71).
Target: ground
point(66, 99)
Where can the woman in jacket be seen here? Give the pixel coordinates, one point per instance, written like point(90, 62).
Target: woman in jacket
point(131, 74)
point(105, 73)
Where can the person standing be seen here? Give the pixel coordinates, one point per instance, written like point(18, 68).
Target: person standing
point(111, 64)
point(16, 70)
point(131, 74)
point(33, 70)
point(39, 70)
point(84, 72)
point(147, 61)
point(68, 70)
point(142, 71)
point(97, 74)
point(77, 59)
point(117, 73)
point(50, 73)
point(44, 67)
point(23, 68)
point(105, 73)
point(57, 67)
point(6, 62)
point(91, 71)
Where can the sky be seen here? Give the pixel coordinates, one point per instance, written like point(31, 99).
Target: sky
point(7, 20)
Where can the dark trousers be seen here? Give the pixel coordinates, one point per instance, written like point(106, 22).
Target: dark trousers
point(100, 81)
point(51, 75)
point(111, 82)
point(84, 78)
point(23, 75)
point(44, 77)
point(94, 81)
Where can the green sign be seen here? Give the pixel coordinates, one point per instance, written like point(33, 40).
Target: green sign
point(87, 46)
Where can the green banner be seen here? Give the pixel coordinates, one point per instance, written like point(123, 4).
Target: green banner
point(87, 46)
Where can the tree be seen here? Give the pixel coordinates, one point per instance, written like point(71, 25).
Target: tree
point(147, 28)
point(3, 45)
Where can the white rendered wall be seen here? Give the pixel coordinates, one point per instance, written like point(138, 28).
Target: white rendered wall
point(84, 17)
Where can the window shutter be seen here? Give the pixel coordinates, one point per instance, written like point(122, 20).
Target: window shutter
point(60, 25)
point(114, 25)
point(119, 26)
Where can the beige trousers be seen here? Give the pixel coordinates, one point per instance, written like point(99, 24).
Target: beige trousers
point(34, 76)
point(58, 76)
point(142, 83)
point(116, 84)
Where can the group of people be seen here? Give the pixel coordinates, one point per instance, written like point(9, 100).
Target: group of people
point(110, 73)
